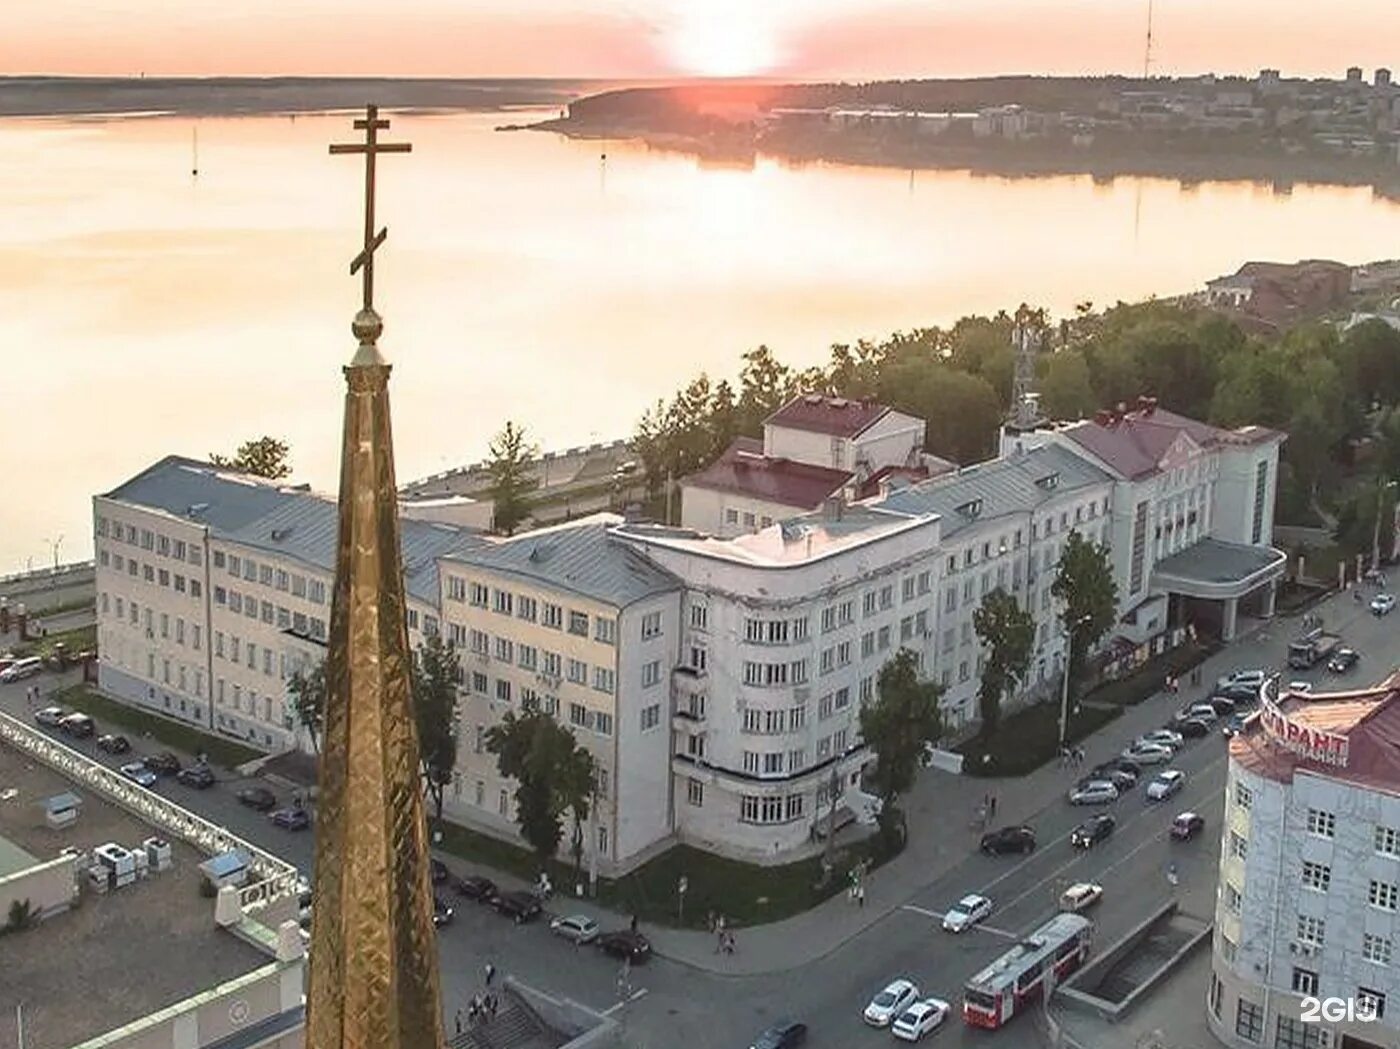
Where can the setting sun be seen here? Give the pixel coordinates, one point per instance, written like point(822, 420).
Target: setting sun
point(723, 38)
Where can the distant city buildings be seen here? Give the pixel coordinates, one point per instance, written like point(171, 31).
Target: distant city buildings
point(1309, 887)
point(1275, 295)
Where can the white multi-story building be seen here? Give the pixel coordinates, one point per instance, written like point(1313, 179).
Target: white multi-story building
point(1308, 904)
point(214, 587)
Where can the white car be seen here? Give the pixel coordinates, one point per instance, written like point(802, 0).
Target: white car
point(1164, 736)
point(890, 1002)
point(967, 912)
point(1080, 897)
point(919, 1019)
point(1149, 753)
point(1165, 784)
point(1253, 678)
point(1200, 709)
point(137, 772)
point(577, 927)
point(1097, 792)
point(1300, 688)
point(1382, 604)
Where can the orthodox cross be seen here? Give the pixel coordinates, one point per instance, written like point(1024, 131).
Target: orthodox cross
point(371, 147)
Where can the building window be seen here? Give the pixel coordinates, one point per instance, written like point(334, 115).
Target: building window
point(603, 679)
point(651, 673)
point(1243, 796)
point(1304, 981)
point(578, 714)
point(651, 625)
point(1261, 484)
point(505, 650)
point(1316, 876)
point(602, 841)
point(1322, 824)
point(479, 683)
point(1232, 899)
point(1239, 848)
point(1214, 996)
point(603, 723)
point(699, 617)
point(773, 764)
point(316, 592)
point(605, 629)
point(1139, 550)
point(695, 792)
point(505, 602)
point(1249, 1020)
point(553, 616)
point(503, 690)
point(1383, 895)
point(1387, 841)
point(1294, 1034)
point(651, 717)
point(526, 608)
point(578, 672)
point(1370, 1003)
point(1311, 930)
point(731, 516)
point(1376, 949)
point(578, 623)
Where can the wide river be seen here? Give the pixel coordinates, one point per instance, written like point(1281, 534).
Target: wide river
point(526, 276)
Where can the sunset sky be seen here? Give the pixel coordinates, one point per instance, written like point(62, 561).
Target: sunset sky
point(661, 38)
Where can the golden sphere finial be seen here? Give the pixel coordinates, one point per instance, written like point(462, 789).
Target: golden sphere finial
point(367, 326)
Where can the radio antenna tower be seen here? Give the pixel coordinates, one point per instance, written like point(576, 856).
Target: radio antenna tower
point(1147, 51)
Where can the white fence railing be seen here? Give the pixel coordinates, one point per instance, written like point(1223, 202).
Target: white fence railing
point(270, 878)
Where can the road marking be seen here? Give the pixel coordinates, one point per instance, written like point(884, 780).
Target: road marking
point(922, 910)
point(997, 932)
point(637, 995)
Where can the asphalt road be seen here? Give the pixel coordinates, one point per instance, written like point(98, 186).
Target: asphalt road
point(664, 1004)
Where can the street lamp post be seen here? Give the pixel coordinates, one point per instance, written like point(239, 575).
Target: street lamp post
point(1376, 533)
point(1064, 689)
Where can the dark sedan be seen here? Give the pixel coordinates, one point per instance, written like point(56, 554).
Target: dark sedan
point(439, 870)
point(1120, 778)
point(1008, 839)
point(1239, 692)
point(113, 744)
point(1187, 825)
point(163, 764)
point(1192, 728)
point(1126, 764)
point(201, 777)
point(785, 1034)
point(442, 913)
point(475, 887)
point(1092, 831)
point(291, 819)
point(624, 943)
point(1344, 660)
point(259, 798)
point(521, 906)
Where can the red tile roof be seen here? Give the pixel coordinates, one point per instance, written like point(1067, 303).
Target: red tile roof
point(1133, 443)
point(743, 468)
point(1368, 718)
point(833, 415)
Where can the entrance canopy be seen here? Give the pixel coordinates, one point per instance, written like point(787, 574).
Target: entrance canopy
point(1218, 570)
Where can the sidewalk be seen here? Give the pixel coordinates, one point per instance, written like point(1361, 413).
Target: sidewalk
point(939, 810)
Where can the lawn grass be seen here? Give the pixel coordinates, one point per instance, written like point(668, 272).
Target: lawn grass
point(67, 606)
point(224, 752)
point(745, 893)
point(1030, 737)
point(1148, 679)
point(80, 639)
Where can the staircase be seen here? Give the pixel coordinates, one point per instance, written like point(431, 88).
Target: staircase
point(515, 1026)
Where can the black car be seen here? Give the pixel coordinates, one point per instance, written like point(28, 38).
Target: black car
point(259, 798)
point(1120, 778)
point(1008, 839)
point(522, 906)
point(1092, 831)
point(442, 913)
point(1344, 660)
point(782, 1035)
point(200, 777)
point(79, 726)
point(291, 819)
point(1223, 706)
point(113, 744)
point(1239, 692)
point(475, 887)
point(1192, 728)
point(1126, 764)
point(440, 871)
point(1187, 825)
point(624, 943)
point(163, 764)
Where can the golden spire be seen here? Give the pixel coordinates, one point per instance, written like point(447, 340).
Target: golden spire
point(373, 968)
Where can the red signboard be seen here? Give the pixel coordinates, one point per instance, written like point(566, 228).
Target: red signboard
point(1313, 744)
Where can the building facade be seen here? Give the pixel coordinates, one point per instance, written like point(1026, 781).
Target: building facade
point(1308, 905)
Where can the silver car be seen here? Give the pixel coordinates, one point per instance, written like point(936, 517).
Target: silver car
point(1164, 736)
point(1149, 753)
point(1096, 792)
point(577, 927)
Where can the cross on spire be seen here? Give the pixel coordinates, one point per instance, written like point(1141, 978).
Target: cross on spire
point(371, 147)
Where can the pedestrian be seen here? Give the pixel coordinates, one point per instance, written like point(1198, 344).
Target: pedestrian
point(491, 1002)
point(458, 1021)
point(633, 924)
point(490, 973)
point(992, 804)
point(860, 896)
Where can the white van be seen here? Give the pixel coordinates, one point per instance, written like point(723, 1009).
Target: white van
point(22, 668)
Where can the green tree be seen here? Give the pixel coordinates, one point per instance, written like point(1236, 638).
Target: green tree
point(903, 717)
point(264, 457)
point(649, 442)
point(1084, 583)
point(962, 411)
point(1008, 632)
point(1065, 390)
point(511, 477)
point(765, 385)
point(553, 774)
point(435, 672)
point(1370, 359)
point(308, 691)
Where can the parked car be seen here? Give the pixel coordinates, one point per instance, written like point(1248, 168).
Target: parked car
point(1165, 736)
point(1080, 897)
point(1120, 778)
point(475, 887)
point(1126, 764)
point(785, 1034)
point(1343, 660)
point(1092, 831)
point(1248, 678)
point(1193, 728)
point(1095, 792)
point(520, 905)
point(1202, 708)
point(260, 798)
point(921, 1018)
point(577, 927)
point(1383, 604)
point(1239, 693)
point(1008, 839)
point(442, 913)
point(1165, 784)
point(201, 777)
point(890, 1002)
point(1149, 753)
point(51, 716)
point(1187, 825)
point(1300, 688)
point(624, 943)
point(79, 726)
point(1223, 706)
point(291, 819)
point(21, 669)
point(163, 764)
point(439, 871)
point(138, 773)
point(113, 744)
point(1234, 726)
point(966, 913)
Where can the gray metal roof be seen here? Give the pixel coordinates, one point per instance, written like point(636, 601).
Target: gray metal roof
point(293, 522)
point(580, 557)
point(1012, 484)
